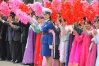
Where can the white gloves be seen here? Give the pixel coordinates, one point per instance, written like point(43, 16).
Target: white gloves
point(50, 46)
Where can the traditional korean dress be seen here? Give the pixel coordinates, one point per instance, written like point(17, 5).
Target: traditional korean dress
point(85, 49)
point(88, 57)
point(71, 38)
point(64, 38)
point(38, 58)
point(30, 48)
point(76, 50)
point(91, 59)
point(97, 42)
point(29, 53)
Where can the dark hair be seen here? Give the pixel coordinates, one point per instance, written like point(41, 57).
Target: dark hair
point(60, 20)
point(88, 22)
point(64, 20)
point(97, 16)
point(48, 13)
point(50, 0)
point(33, 13)
point(37, 17)
point(42, 17)
point(84, 18)
point(97, 21)
point(12, 14)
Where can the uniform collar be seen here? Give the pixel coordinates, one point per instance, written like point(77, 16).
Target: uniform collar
point(46, 20)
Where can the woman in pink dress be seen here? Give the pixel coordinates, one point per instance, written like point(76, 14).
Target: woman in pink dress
point(85, 45)
point(76, 50)
point(91, 59)
point(76, 46)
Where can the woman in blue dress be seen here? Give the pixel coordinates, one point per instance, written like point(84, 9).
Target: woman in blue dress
point(47, 37)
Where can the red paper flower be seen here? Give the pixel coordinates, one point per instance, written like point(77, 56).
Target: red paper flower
point(65, 12)
point(48, 4)
point(77, 10)
point(97, 13)
point(54, 14)
point(90, 13)
point(24, 8)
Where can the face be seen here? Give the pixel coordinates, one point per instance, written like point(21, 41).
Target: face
point(46, 16)
point(39, 20)
point(97, 25)
point(42, 20)
point(63, 22)
point(88, 26)
point(57, 22)
point(34, 16)
point(16, 18)
point(9, 18)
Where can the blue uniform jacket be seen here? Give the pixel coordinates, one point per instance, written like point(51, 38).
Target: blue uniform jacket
point(47, 38)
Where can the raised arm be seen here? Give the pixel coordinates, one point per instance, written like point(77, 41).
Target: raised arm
point(56, 30)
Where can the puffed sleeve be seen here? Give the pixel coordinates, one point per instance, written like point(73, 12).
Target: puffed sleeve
point(36, 28)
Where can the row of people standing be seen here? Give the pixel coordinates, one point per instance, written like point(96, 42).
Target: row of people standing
point(41, 40)
point(15, 38)
point(74, 45)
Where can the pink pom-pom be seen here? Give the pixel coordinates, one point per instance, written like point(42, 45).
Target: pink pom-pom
point(94, 4)
point(37, 7)
point(85, 4)
point(22, 16)
point(30, 6)
point(14, 4)
point(4, 9)
point(56, 4)
point(45, 2)
point(71, 1)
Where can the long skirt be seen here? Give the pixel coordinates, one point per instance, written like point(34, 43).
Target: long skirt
point(29, 51)
point(92, 56)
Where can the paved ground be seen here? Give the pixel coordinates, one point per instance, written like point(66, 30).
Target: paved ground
point(7, 63)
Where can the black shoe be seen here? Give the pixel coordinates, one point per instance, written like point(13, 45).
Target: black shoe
point(31, 65)
point(12, 60)
point(17, 61)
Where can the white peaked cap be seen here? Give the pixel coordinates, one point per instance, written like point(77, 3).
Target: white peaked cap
point(47, 10)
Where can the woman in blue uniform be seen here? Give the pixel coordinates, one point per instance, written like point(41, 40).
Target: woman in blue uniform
point(47, 37)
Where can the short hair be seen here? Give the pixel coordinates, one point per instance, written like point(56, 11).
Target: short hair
point(88, 22)
point(64, 20)
point(12, 14)
point(84, 18)
point(60, 20)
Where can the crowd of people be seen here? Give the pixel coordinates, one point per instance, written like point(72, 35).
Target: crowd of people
point(44, 42)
